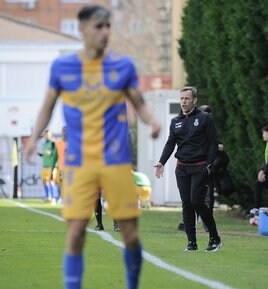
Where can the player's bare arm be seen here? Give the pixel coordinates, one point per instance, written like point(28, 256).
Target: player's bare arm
point(144, 112)
point(42, 121)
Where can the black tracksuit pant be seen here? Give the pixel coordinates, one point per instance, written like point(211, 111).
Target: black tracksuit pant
point(192, 182)
point(258, 189)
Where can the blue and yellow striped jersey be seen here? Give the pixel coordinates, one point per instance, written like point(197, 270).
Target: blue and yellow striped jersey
point(94, 107)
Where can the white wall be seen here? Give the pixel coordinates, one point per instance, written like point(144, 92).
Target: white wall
point(17, 118)
point(24, 72)
point(164, 190)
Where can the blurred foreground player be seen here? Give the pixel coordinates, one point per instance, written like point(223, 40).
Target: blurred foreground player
point(94, 84)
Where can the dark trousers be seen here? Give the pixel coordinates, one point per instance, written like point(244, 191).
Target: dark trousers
point(192, 182)
point(210, 199)
point(258, 188)
point(98, 212)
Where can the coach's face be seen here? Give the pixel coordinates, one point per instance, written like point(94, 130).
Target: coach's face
point(187, 101)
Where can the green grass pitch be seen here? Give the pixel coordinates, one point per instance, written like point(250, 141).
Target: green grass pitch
point(31, 249)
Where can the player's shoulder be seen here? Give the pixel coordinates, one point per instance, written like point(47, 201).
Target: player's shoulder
point(68, 59)
point(204, 115)
point(117, 58)
point(175, 119)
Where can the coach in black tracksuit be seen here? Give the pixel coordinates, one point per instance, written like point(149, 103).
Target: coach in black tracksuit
point(194, 134)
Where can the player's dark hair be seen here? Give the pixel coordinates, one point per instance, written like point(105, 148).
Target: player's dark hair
point(192, 88)
point(265, 128)
point(205, 108)
point(87, 12)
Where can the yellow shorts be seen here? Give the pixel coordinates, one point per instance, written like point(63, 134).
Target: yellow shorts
point(48, 174)
point(81, 187)
point(144, 193)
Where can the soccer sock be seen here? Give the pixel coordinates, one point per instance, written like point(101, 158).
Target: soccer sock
point(49, 190)
point(46, 191)
point(73, 266)
point(98, 212)
point(133, 262)
point(54, 191)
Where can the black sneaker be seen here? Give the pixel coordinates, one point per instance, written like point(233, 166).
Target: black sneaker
point(181, 227)
point(99, 227)
point(192, 246)
point(214, 245)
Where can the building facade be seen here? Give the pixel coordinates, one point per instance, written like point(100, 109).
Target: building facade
point(144, 30)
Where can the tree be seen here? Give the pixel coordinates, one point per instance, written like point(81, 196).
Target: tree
point(224, 47)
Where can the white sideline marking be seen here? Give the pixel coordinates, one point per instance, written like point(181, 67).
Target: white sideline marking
point(147, 256)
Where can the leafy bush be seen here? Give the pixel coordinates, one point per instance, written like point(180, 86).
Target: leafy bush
point(224, 48)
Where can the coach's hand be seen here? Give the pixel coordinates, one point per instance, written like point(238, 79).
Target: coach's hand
point(159, 170)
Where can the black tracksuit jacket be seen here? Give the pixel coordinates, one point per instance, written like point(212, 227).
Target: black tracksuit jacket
point(195, 137)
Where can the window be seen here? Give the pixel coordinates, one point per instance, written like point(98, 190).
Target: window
point(26, 4)
point(174, 108)
point(70, 27)
point(15, 1)
point(74, 1)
